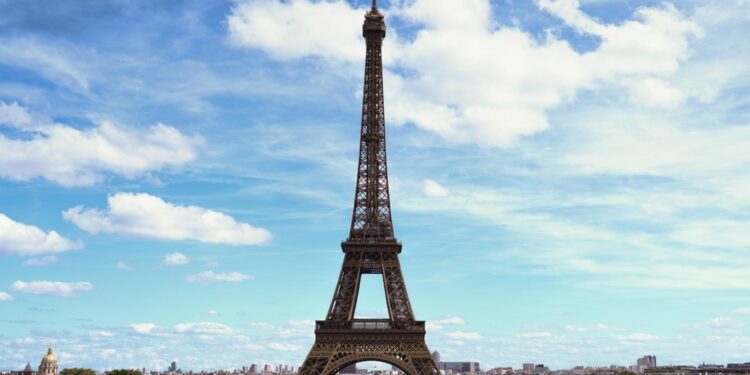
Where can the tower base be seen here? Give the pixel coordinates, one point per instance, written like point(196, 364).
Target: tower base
point(341, 343)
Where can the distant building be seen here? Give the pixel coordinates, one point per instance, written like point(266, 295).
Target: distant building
point(254, 368)
point(351, 369)
point(739, 366)
point(528, 368)
point(173, 367)
point(711, 367)
point(48, 366)
point(501, 371)
point(267, 368)
point(541, 369)
point(26, 371)
point(436, 356)
point(648, 361)
point(460, 367)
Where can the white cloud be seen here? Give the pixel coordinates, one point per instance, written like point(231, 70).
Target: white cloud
point(73, 157)
point(450, 320)
point(596, 328)
point(742, 311)
point(41, 262)
point(261, 325)
point(531, 335)
point(637, 337)
point(210, 276)
point(720, 323)
point(212, 313)
point(51, 288)
point(460, 335)
point(627, 144)
point(143, 328)
point(14, 115)
point(6, 297)
point(204, 328)
point(521, 77)
point(433, 189)
point(123, 266)
point(652, 92)
point(176, 259)
point(320, 29)
point(144, 215)
point(101, 334)
point(21, 239)
point(284, 347)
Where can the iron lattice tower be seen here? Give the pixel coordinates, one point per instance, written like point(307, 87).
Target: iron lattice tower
point(340, 339)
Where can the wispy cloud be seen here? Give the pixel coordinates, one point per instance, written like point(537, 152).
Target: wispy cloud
point(120, 265)
point(41, 262)
point(211, 276)
point(51, 288)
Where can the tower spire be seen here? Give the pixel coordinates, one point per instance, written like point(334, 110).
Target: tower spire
point(371, 217)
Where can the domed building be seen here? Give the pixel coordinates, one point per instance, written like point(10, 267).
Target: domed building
point(49, 364)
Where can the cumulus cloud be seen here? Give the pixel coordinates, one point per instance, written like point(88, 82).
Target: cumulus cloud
point(176, 259)
point(143, 328)
point(144, 215)
point(211, 276)
point(321, 29)
point(51, 288)
point(21, 239)
point(120, 265)
point(521, 76)
point(41, 262)
point(81, 157)
point(6, 297)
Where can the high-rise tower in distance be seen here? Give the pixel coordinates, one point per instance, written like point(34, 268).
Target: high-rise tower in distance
point(371, 248)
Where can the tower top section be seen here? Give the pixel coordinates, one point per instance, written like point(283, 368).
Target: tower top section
point(374, 23)
point(371, 219)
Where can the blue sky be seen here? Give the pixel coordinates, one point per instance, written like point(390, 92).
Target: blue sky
point(569, 178)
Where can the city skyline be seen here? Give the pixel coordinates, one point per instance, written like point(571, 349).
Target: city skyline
point(568, 178)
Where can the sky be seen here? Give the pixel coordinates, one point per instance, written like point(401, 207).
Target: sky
point(569, 178)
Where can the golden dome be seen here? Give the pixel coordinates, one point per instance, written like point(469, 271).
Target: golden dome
point(49, 358)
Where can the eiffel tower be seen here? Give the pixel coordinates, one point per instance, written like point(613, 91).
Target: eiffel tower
point(340, 339)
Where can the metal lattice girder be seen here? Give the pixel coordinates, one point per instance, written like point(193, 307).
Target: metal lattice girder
point(335, 349)
point(371, 216)
point(371, 248)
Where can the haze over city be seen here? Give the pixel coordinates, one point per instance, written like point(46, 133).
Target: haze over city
point(569, 179)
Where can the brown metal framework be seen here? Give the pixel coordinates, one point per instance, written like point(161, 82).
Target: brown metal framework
point(371, 248)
